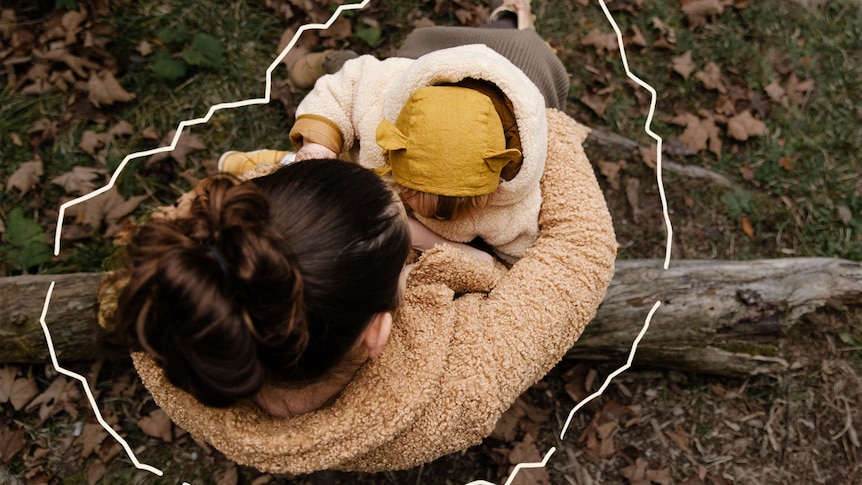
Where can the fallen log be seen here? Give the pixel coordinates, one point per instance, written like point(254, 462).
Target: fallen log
point(716, 317)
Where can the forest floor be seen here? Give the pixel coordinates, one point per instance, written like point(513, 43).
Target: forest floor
point(758, 104)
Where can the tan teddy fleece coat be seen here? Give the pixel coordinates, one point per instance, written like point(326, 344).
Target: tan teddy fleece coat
point(453, 364)
point(367, 90)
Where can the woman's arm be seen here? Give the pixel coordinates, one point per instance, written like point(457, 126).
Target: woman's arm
point(424, 239)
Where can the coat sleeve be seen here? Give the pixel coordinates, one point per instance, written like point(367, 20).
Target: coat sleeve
point(539, 310)
point(506, 340)
point(339, 103)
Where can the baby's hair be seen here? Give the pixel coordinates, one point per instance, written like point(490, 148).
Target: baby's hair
point(443, 207)
point(273, 279)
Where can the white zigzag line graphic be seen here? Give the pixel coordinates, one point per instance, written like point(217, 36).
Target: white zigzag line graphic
point(265, 100)
point(615, 373)
point(87, 390)
point(669, 241)
point(518, 468)
point(647, 129)
point(197, 121)
point(113, 180)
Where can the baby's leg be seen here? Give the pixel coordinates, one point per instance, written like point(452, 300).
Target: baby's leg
point(511, 14)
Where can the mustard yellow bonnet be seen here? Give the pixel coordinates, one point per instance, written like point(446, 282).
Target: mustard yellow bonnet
point(447, 140)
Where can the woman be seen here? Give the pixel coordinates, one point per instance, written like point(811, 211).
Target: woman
point(455, 122)
point(276, 289)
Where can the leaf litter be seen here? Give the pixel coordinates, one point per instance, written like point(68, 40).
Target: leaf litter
point(652, 427)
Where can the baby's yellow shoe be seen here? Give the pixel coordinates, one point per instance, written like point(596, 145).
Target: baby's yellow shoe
point(238, 163)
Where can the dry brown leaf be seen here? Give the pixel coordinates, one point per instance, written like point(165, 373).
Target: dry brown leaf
point(7, 21)
point(708, 122)
point(122, 128)
point(611, 171)
point(9, 384)
point(776, 93)
point(747, 228)
point(693, 480)
point(62, 80)
point(229, 477)
point(187, 143)
point(526, 451)
point(109, 450)
point(601, 41)
point(575, 378)
point(11, 442)
point(605, 432)
point(261, 480)
point(109, 207)
point(150, 133)
point(660, 476)
point(77, 64)
point(649, 155)
point(534, 413)
point(125, 386)
point(144, 48)
point(27, 176)
point(747, 173)
point(636, 473)
point(630, 6)
point(786, 162)
point(845, 215)
point(91, 438)
point(667, 34)
point(61, 395)
point(698, 11)
point(190, 176)
point(679, 437)
point(695, 135)
point(95, 472)
point(42, 131)
point(104, 89)
point(157, 425)
point(616, 411)
point(699, 134)
point(38, 72)
point(92, 141)
point(24, 389)
point(339, 30)
point(710, 76)
point(798, 90)
point(506, 428)
point(76, 232)
point(743, 126)
point(38, 87)
point(683, 65)
point(634, 36)
point(71, 23)
point(464, 16)
point(595, 102)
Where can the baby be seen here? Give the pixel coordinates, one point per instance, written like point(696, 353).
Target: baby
point(459, 131)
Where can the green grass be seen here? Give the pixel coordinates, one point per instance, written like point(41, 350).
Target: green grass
point(793, 212)
point(249, 34)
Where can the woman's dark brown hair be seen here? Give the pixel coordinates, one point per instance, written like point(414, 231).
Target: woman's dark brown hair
point(271, 279)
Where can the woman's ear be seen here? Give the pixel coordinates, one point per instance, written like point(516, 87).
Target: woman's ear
point(376, 335)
